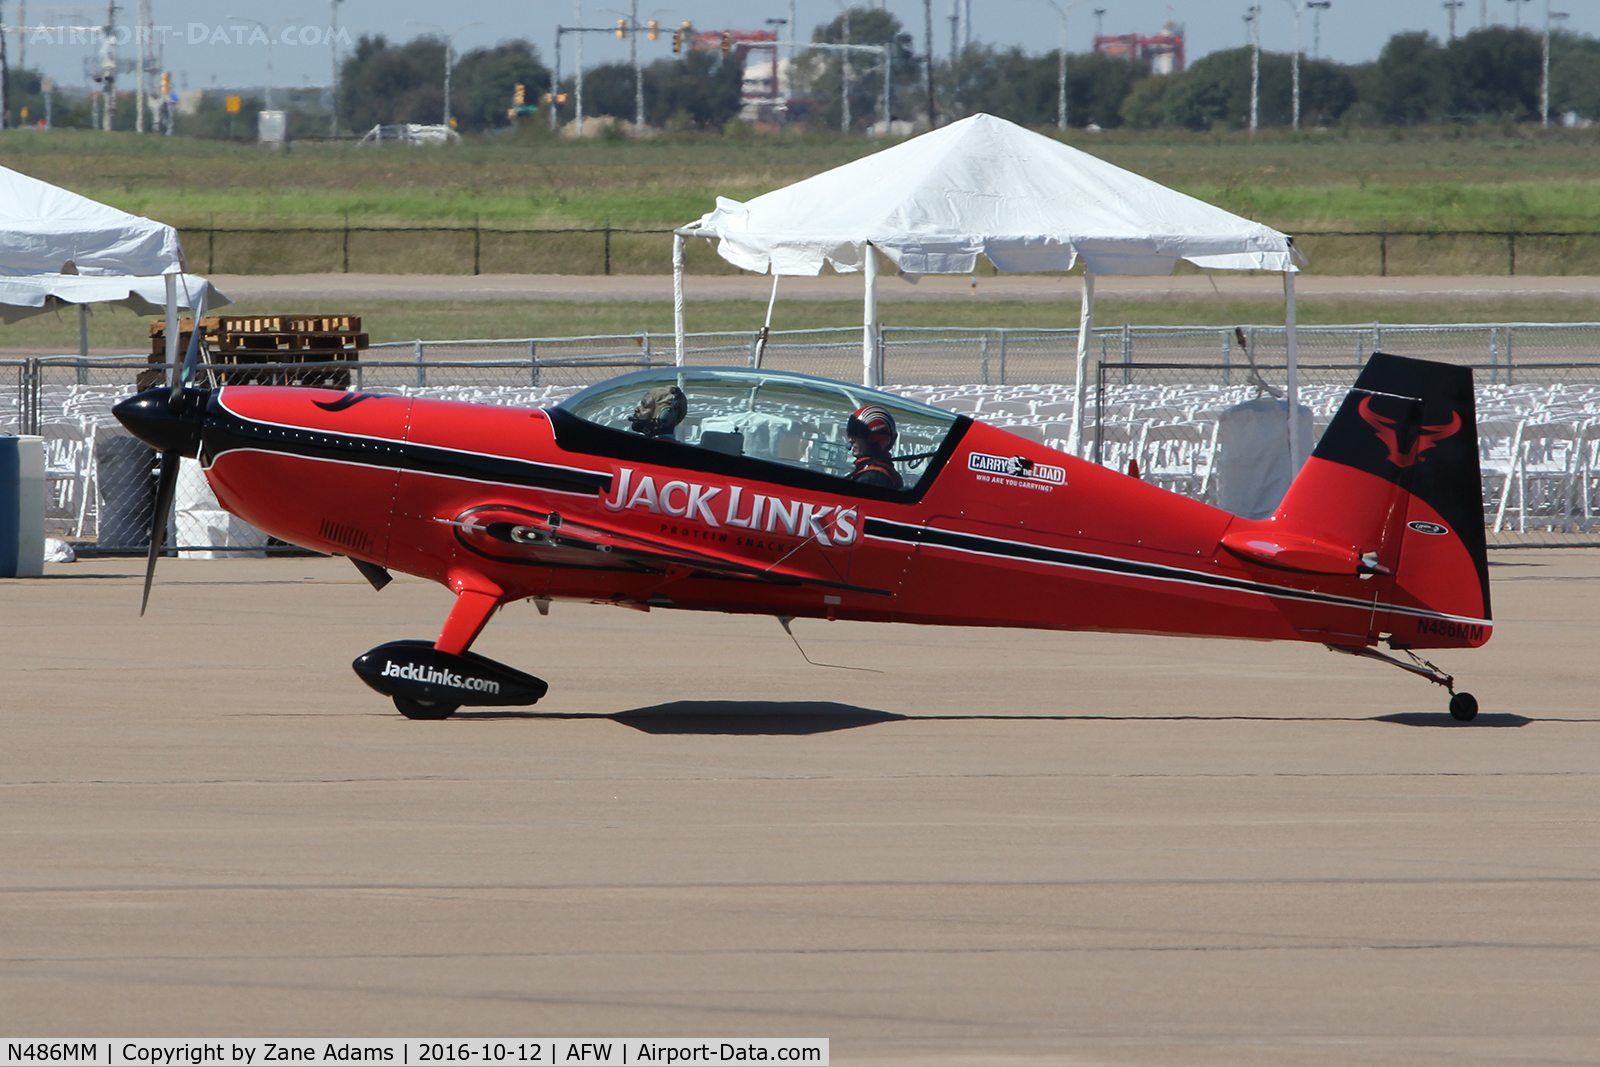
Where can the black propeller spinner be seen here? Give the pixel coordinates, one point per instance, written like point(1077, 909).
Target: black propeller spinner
point(168, 419)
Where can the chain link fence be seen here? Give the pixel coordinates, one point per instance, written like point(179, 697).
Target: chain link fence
point(1155, 394)
point(479, 249)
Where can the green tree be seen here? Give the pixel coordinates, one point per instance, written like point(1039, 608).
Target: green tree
point(380, 84)
point(705, 87)
point(1215, 92)
point(1410, 83)
point(484, 79)
point(703, 90)
point(1495, 74)
point(1145, 106)
point(1097, 84)
point(1575, 75)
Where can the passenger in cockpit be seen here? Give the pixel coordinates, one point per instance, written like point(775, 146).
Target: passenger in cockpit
point(872, 436)
point(659, 411)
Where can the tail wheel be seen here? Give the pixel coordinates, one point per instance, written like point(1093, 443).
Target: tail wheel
point(1463, 707)
point(424, 709)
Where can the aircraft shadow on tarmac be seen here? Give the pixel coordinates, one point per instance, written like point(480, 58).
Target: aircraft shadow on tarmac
point(795, 718)
point(1440, 718)
point(747, 717)
point(751, 717)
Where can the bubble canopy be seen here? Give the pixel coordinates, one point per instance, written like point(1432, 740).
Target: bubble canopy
point(792, 420)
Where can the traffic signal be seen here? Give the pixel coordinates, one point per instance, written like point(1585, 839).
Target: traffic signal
point(622, 28)
point(519, 95)
point(166, 84)
point(655, 29)
point(727, 42)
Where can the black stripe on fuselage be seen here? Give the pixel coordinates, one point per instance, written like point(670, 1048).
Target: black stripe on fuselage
point(226, 431)
point(998, 547)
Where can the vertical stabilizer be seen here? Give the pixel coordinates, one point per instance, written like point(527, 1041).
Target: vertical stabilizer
point(1396, 478)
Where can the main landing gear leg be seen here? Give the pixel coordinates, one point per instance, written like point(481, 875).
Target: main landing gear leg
point(1463, 706)
point(466, 621)
point(431, 679)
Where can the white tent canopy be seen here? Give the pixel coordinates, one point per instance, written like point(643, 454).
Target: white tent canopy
point(50, 234)
point(48, 230)
point(985, 186)
point(21, 297)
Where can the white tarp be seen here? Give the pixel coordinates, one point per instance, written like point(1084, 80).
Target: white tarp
point(38, 293)
point(1253, 466)
point(985, 186)
point(44, 228)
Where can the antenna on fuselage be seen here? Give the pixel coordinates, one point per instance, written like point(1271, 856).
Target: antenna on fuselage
point(785, 620)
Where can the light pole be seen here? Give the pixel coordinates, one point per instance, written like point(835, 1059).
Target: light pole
point(1450, 6)
point(268, 34)
point(1516, 13)
point(1317, 8)
point(876, 49)
point(844, 74)
point(1294, 5)
point(779, 86)
point(555, 84)
point(449, 47)
point(333, 54)
point(638, 71)
point(1253, 20)
point(630, 27)
point(1061, 66)
point(1099, 21)
point(927, 44)
point(1544, 85)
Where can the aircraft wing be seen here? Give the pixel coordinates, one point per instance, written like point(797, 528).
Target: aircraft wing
point(510, 533)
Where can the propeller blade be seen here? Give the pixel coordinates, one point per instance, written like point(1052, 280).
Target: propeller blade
point(192, 356)
point(165, 487)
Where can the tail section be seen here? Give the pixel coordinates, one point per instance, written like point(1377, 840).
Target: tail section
point(1394, 482)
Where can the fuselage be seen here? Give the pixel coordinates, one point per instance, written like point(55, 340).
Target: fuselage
point(1000, 530)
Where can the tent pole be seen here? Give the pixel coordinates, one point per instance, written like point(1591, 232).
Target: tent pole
point(1085, 334)
point(677, 298)
point(869, 319)
point(83, 331)
point(172, 325)
point(1292, 385)
point(766, 327)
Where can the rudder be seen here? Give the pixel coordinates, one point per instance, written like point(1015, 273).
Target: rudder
point(1396, 476)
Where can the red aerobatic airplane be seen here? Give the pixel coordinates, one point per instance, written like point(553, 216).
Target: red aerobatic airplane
point(752, 491)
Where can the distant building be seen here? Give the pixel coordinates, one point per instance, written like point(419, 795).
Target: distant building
point(1163, 51)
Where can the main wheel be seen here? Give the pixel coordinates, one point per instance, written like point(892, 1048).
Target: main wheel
point(1463, 707)
point(425, 709)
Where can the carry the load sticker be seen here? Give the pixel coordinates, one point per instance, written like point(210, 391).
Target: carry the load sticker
point(1016, 471)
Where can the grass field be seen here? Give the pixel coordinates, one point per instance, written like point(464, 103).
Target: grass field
point(394, 320)
point(1338, 179)
point(1431, 179)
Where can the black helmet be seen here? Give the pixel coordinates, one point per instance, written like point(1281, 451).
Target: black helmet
point(659, 411)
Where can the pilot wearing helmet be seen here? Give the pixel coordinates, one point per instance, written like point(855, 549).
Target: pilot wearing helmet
point(872, 437)
point(659, 411)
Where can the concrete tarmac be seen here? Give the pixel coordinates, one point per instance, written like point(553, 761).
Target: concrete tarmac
point(1009, 847)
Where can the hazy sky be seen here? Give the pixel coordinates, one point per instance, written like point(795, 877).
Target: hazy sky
point(1351, 31)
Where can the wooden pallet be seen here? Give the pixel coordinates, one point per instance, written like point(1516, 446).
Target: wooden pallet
point(237, 341)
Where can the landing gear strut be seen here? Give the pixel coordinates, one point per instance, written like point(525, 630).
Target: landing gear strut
point(1463, 706)
point(432, 679)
